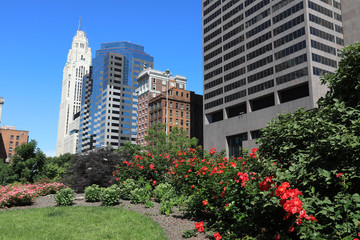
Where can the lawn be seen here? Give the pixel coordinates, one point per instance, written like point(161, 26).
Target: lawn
point(90, 223)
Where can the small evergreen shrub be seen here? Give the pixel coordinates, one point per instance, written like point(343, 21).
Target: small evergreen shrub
point(92, 193)
point(65, 197)
point(110, 196)
point(126, 188)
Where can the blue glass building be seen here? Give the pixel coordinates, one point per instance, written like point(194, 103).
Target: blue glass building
point(109, 102)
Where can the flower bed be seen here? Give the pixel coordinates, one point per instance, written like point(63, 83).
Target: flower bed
point(23, 194)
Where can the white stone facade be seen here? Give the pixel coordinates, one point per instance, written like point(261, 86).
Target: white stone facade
point(77, 65)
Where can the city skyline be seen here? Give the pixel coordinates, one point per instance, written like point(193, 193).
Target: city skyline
point(39, 38)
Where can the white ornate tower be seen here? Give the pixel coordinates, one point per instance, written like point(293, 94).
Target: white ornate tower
point(77, 65)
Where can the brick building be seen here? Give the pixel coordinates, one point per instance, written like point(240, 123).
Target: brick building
point(185, 107)
point(10, 138)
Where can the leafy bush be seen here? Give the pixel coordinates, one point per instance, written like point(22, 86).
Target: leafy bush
point(126, 187)
point(96, 167)
point(164, 191)
point(110, 196)
point(166, 207)
point(65, 197)
point(149, 204)
point(140, 195)
point(92, 193)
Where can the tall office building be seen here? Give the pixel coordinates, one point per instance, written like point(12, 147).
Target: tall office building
point(109, 107)
point(262, 58)
point(76, 67)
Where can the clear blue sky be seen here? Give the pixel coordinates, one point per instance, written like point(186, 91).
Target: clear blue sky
point(36, 36)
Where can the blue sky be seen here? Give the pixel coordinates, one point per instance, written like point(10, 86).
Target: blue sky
point(36, 37)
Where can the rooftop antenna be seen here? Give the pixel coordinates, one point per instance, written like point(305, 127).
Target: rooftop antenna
point(79, 24)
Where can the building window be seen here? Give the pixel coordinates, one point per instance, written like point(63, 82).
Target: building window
point(163, 82)
point(11, 143)
point(177, 113)
point(17, 144)
point(170, 112)
point(182, 94)
point(182, 122)
point(170, 120)
point(12, 137)
point(187, 115)
point(10, 155)
point(171, 104)
point(154, 87)
point(182, 106)
point(172, 84)
point(177, 105)
point(10, 149)
point(177, 121)
point(154, 80)
point(176, 93)
point(182, 114)
point(17, 137)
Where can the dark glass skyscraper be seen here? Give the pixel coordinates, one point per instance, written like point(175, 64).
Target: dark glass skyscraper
point(109, 106)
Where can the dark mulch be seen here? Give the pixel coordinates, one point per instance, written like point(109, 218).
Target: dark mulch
point(173, 224)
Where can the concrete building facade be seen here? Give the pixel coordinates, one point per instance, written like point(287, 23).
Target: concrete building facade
point(109, 108)
point(351, 18)
point(76, 67)
point(10, 138)
point(262, 58)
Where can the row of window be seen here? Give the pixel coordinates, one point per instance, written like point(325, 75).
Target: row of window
point(258, 29)
point(233, 22)
point(234, 85)
point(259, 52)
point(234, 74)
point(212, 7)
point(259, 63)
point(234, 53)
point(280, 5)
point(212, 16)
point(323, 47)
point(256, 7)
point(290, 50)
point(288, 12)
point(233, 32)
point(213, 93)
point(213, 73)
point(213, 44)
point(261, 87)
point(257, 18)
point(259, 75)
point(229, 4)
point(214, 103)
point(321, 21)
point(213, 54)
point(320, 9)
point(290, 24)
point(234, 63)
point(324, 60)
point(322, 34)
point(234, 42)
point(291, 76)
point(258, 40)
point(213, 25)
point(213, 83)
point(212, 35)
point(213, 63)
point(289, 37)
point(235, 96)
point(233, 12)
point(291, 63)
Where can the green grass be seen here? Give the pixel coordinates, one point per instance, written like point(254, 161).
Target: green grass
point(73, 223)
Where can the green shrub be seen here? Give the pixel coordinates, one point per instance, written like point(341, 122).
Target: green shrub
point(92, 193)
point(110, 196)
point(164, 191)
point(65, 197)
point(126, 188)
point(140, 195)
point(149, 204)
point(166, 207)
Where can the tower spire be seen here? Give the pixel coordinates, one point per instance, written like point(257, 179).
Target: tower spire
point(79, 23)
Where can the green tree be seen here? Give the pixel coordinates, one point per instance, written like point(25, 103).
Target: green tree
point(28, 162)
point(175, 141)
point(318, 151)
point(55, 167)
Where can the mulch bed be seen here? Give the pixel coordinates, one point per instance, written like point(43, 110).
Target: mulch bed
point(173, 224)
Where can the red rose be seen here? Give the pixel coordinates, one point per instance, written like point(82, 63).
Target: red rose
point(217, 236)
point(205, 202)
point(199, 226)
